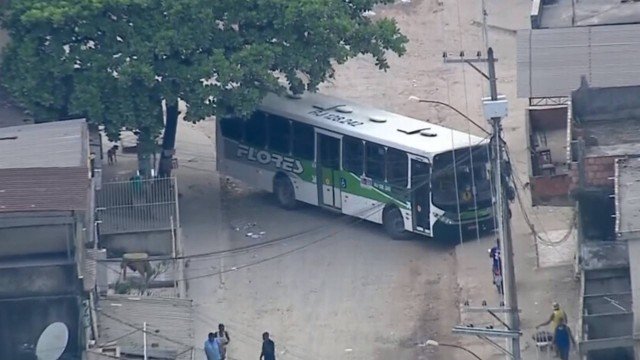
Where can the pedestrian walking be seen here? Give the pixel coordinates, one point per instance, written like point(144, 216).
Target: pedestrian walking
point(223, 340)
point(563, 339)
point(268, 348)
point(211, 348)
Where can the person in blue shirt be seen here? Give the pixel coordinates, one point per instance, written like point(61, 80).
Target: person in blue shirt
point(563, 340)
point(496, 268)
point(268, 348)
point(211, 348)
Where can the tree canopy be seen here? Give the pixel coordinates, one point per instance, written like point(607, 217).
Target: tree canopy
point(116, 61)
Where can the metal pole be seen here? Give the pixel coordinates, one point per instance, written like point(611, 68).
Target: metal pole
point(144, 340)
point(504, 223)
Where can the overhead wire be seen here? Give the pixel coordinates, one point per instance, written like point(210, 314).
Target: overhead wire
point(545, 241)
point(350, 220)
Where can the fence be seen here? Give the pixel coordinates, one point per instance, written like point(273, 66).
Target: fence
point(137, 206)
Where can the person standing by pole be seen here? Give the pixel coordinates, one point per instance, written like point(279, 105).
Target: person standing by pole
point(496, 267)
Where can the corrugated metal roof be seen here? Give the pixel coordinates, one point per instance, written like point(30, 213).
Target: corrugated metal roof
point(54, 144)
point(568, 13)
point(44, 189)
point(169, 322)
point(550, 62)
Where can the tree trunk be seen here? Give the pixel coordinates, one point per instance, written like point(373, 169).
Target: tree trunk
point(169, 139)
point(146, 147)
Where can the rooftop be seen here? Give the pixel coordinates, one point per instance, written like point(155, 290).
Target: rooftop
point(568, 13)
point(44, 167)
point(550, 62)
point(55, 144)
point(628, 197)
point(169, 325)
point(608, 119)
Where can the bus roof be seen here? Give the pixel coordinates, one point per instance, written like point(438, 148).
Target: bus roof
point(368, 123)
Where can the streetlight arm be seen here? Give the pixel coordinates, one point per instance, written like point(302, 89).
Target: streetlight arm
point(415, 98)
point(461, 348)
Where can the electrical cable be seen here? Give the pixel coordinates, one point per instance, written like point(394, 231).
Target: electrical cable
point(287, 237)
point(516, 181)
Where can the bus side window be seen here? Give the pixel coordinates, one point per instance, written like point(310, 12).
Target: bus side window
point(353, 155)
point(375, 156)
point(256, 129)
point(303, 141)
point(279, 134)
point(232, 128)
point(397, 168)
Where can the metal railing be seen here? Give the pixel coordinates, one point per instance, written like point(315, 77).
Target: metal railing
point(137, 206)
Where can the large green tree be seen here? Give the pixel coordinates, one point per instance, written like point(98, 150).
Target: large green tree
point(117, 62)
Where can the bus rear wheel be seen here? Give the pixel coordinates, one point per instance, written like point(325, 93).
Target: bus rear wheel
point(393, 223)
point(285, 194)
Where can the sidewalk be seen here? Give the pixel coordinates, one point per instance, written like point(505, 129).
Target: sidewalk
point(538, 287)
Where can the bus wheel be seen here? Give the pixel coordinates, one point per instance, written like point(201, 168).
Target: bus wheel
point(285, 194)
point(393, 223)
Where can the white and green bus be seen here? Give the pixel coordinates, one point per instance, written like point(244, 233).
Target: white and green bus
point(361, 161)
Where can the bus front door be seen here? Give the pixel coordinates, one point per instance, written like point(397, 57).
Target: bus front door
point(421, 195)
point(328, 170)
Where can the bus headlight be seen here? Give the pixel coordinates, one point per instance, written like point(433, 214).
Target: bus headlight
point(446, 219)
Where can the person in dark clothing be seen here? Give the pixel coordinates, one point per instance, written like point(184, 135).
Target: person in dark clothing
point(268, 348)
point(563, 339)
point(496, 267)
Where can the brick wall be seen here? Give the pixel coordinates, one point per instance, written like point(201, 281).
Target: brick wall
point(550, 190)
point(600, 171)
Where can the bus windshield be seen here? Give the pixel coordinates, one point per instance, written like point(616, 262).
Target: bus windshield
point(471, 175)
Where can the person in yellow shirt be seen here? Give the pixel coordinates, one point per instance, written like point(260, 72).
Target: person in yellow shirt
point(558, 316)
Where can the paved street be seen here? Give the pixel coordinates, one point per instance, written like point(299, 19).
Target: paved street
point(342, 289)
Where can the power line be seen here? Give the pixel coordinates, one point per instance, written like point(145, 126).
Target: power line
point(307, 231)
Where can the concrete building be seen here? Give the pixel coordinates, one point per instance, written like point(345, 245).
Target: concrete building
point(46, 219)
point(570, 39)
point(627, 228)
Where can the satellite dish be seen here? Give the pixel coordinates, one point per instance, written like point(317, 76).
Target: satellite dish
point(52, 341)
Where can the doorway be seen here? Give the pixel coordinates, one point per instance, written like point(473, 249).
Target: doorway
point(328, 170)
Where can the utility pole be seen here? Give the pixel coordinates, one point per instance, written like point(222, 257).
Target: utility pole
point(495, 109)
point(501, 184)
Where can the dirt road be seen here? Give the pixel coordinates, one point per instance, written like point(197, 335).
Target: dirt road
point(345, 291)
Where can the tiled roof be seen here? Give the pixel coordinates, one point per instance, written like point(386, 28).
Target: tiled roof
point(44, 189)
point(44, 167)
